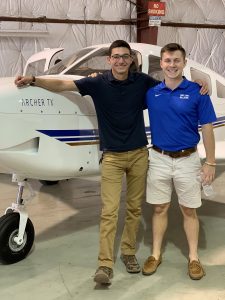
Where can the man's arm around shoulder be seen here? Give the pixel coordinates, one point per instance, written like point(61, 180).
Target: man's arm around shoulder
point(54, 85)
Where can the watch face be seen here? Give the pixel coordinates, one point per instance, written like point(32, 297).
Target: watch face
point(33, 80)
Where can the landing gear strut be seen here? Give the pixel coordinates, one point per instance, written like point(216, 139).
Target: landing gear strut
point(16, 229)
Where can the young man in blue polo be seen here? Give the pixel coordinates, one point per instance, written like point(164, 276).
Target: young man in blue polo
point(176, 108)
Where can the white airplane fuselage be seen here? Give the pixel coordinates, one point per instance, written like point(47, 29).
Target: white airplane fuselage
point(54, 136)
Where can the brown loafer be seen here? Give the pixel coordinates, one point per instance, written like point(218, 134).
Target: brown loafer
point(151, 264)
point(195, 270)
point(131, 263)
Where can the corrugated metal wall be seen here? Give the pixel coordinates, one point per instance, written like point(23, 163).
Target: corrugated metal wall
point(16, 46)
point(200, 28)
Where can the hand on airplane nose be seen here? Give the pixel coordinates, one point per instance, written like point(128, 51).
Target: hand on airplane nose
point(22, 80)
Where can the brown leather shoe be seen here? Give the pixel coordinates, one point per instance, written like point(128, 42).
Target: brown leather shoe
point(151, 264)
point(131, 263)
point(195, 270)
point(103, 275)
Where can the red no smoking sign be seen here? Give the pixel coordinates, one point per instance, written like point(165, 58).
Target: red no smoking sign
point(156, 8)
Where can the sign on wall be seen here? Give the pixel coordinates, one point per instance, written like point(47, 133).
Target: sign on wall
point(156, 10)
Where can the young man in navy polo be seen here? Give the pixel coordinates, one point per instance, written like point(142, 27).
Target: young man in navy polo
point(176, 108)
point(119, 99)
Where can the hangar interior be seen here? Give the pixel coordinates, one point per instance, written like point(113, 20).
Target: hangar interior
point(66, 216)
point(28, 27)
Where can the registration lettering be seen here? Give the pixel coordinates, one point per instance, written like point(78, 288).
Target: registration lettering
point(36, 102)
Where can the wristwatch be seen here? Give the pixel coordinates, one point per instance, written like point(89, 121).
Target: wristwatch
point(33, 80)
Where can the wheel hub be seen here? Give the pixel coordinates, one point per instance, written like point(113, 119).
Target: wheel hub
point(12, 243)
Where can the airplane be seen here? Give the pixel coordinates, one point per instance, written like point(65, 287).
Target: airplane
point(53, 136)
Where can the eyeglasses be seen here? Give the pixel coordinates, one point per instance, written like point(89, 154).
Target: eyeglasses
point(117, 57)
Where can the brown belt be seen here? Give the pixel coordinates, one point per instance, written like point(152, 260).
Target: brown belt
point(176, 154)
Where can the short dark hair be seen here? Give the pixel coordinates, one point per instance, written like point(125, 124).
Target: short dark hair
point(171, 48)
point(119, 44)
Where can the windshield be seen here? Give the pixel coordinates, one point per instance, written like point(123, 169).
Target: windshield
point(65, 63)
point(97, 63)
point(94, 63)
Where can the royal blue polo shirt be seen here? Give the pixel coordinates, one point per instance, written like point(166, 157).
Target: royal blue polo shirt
point(175, 115)
point(119, 107)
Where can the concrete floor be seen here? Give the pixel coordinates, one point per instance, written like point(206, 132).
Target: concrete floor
point(64, 258)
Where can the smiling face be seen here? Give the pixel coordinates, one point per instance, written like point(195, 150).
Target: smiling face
point(120, 61)
point(172, 64)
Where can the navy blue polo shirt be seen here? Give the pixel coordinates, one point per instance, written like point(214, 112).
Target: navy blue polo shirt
point(175, 115)
point(119, 107)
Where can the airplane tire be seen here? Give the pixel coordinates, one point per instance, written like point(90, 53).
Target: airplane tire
point(10, 252)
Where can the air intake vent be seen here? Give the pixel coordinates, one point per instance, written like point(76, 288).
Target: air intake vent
point(30, 146)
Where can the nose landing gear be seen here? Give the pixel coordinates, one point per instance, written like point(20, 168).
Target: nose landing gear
point(10, 250)
point(16, 229)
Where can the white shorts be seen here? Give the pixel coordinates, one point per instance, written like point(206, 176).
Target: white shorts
point(182, 173)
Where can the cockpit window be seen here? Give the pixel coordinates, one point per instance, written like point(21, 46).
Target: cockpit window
point(36, 68)
point(154, 69)
point(96, 62)
point(65, 63)
point(137, 61)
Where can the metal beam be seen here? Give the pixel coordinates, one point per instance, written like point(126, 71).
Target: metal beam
point(67, 21)
point(192, 25)
point(183, 25)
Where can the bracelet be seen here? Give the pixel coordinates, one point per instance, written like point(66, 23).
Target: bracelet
point(33, 80)
point(210, 164)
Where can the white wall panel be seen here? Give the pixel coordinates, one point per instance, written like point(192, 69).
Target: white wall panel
point(213, 11)
point(206, 46)
point(96, 34)
point(16, 50)
point(93, 9)
point(115, 10)
point(9, 8)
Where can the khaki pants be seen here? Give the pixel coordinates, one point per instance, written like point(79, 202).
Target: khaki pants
point(134, 164)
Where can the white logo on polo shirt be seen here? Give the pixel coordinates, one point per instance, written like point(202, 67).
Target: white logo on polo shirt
point(184, 96)
point(157, 95)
